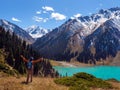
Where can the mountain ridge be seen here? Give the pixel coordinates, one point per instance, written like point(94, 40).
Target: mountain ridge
point(17, 30)
point(105, 40)
point(68, 40)
point(36, 31)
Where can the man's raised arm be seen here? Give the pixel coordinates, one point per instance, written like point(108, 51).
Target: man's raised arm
point(24, 59)
point(38, 60)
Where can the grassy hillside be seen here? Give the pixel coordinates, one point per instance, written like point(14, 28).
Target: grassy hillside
point(13, 83)
point(83, 81)
point(17, 83)
point(11, 80)
point(4, 67)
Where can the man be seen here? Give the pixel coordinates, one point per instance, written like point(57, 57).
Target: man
point(30, 66)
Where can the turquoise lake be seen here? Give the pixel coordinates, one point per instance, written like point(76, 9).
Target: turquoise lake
point(103, 72)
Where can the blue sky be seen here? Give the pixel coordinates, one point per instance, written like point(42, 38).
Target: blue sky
point(50, 13)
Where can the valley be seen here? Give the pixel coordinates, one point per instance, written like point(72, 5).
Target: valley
point(80, 52)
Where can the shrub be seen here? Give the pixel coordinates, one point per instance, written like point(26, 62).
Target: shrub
point(67, 81)
point(82, 81)
point(80, 87)
point(113, 80)
point(85, 76)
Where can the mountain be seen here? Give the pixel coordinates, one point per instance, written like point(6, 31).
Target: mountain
point(17, 30)
point(71, 39)
point(36, 31)
point(102, 43)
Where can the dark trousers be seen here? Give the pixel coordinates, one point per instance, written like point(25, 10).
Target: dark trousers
point(29, 75)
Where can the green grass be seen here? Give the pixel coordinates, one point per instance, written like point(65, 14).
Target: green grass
point(7, 69)
point(4, 67)
point(82, 81)
point(113, 80)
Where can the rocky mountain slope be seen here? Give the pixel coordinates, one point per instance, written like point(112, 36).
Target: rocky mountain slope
point(75, 37)
point(17, 30)
point(103, 42)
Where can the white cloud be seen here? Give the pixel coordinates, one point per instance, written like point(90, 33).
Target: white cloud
point(45, 20)
point(38, 12)
point(77, 15)
point(58, 16)
point(45, 12)
point(47, 8)
point(15, 19)
point(39, 19)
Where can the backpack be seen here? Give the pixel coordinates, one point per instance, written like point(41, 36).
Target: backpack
point(29, 65)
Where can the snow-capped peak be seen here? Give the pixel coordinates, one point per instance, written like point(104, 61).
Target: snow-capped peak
point(97, 34)
point(90, 23)
point(8, 26)
point(36, 31)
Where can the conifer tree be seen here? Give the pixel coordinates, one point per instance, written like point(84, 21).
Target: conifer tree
point(14, 47)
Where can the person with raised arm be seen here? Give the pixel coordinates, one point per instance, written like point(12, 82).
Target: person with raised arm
point(30, 66)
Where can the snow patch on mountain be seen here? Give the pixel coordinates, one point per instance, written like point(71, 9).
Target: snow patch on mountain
point(6, 25)
point(36, 31)
point(17, 30)
point(77, 35)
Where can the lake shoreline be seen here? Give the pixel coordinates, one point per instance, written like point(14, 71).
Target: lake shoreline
point(100, 71)
point(104, 72)
point(78, 64)
point(69, 64)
